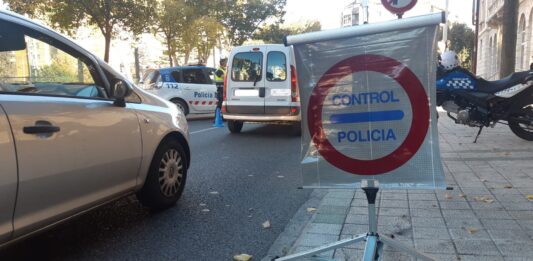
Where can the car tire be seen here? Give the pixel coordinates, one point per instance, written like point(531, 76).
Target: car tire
point(235, 126)
point(166, 177)
point(182, 105)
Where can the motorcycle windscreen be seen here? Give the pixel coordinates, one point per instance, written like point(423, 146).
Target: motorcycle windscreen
point(368, 105)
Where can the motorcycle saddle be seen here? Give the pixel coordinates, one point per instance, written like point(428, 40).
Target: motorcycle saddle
point(502, 84)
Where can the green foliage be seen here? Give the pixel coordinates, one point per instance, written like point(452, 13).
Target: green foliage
point(242, 18)
point(171, 22)
point(107, 15)
point(274, 33)
point(461, 40)
point(56, 72)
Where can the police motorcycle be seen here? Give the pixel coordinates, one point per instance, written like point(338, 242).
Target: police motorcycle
point(476, 102)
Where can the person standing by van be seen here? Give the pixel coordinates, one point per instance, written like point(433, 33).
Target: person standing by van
point(220, 73)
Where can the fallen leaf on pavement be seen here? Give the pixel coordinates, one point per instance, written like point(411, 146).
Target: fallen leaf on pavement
point(484, 199)
point(242, 257)
point(311, 209)
point(281, 176)
point(205, 210)
point(508, 186)
point(471, 230)
point(266, 224)
point(507, 153)
point(448, 196)
point(249, 216)
point(250, 175)
point(462, 195)
point(203, 204)
point(530, 197)
point(213, 192)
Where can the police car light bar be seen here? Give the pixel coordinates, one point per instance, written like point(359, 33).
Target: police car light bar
point(366, 29)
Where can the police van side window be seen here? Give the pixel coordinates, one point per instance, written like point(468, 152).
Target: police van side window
point(276, 67)
point(195, 76)
point(246, 67)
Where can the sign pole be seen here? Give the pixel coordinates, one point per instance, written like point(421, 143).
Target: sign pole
point(374, 241)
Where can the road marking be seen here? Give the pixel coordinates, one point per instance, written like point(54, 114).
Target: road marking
point(204, 130)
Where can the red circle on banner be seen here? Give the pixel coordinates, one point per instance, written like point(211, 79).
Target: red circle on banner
point(419, 106)
point(397, 10)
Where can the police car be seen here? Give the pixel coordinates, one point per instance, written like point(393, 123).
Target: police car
point(191, 88)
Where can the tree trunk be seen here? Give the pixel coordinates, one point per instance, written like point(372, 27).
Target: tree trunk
point(107, 37)
point(186, 59)
point(175, 59)
point(509, 27)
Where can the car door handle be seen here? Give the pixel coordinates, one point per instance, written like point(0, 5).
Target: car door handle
point(37, 129)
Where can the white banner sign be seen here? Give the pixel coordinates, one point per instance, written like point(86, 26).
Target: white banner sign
point(368, 104)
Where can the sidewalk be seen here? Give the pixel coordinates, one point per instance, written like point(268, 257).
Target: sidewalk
point(486, 217)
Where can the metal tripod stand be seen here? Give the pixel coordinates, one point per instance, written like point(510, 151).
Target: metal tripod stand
point(374, 241)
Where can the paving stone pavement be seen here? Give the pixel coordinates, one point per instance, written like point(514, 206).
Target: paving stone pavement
point(487, 216)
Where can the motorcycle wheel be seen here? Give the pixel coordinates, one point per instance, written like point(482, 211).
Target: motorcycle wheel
point(522, 130)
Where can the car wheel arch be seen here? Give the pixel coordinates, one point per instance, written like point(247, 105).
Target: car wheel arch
point(181, 139)
point(175, 99)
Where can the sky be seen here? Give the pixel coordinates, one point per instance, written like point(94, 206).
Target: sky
point(328, 12)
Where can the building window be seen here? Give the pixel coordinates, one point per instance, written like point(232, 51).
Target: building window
point(494, 57)
point(522, 40)
point(488, 61)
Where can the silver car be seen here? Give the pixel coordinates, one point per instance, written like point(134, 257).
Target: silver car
point(74, 134)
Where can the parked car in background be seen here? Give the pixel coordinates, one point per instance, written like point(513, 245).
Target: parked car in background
point(75, 134)
point(261, 86)
point(191, 88)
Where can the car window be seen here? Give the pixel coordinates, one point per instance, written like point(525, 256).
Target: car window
point(39, 67)
point(195, 75)
point(246, 67)
point(176, 75)
point(210, 72)
point(276, 67)
point(150, 77)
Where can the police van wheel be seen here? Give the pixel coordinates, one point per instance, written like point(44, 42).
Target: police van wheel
point(181, 105)
point(235, 126)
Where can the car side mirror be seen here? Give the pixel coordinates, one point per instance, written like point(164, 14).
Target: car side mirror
point(120, 89)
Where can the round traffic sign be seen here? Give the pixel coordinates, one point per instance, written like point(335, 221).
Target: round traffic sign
point(398, 6)
point(416, 94)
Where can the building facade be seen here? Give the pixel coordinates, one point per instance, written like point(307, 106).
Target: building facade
point(354, 13)
point(490, 37)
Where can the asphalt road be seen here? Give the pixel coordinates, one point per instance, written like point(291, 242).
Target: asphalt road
point(243, 180)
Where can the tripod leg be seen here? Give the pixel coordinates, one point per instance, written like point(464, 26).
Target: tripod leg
point(324, 248)
point(406, 249)
point(371, 248)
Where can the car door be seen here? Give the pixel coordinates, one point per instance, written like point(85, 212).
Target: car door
point(277, 85)
point(8, 177)
point(199, 89)
point(75, 148)
point(246, 84)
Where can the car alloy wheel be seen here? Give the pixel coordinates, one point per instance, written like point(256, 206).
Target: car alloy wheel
point(170, 172)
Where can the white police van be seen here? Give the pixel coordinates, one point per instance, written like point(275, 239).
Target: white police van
point(191, 88)
point(261, 86)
